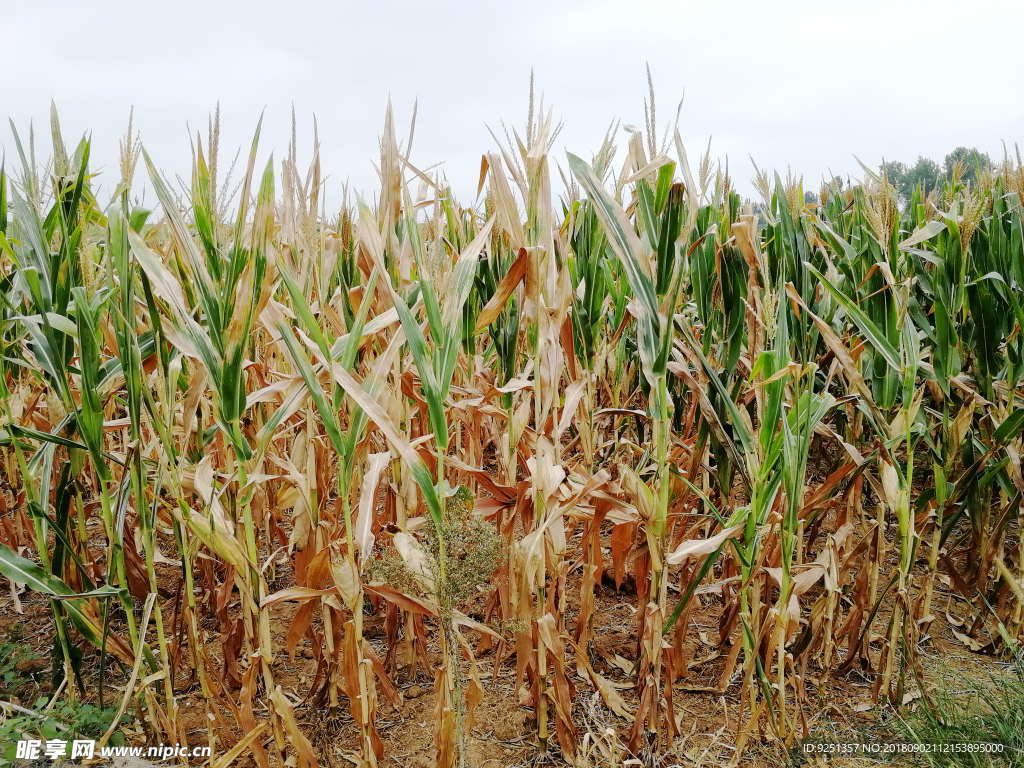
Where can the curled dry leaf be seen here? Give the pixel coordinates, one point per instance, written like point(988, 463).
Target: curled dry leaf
point(696, 547)
point(364, 522)
point(346, 579)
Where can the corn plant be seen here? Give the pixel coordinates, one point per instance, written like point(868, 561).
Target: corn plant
point(808, 410)
point(656, 295)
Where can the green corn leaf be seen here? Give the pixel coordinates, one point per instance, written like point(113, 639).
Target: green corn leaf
point(17, 568)
point(664, 185)
point(924, 234)
point(461, 281)
point(249, 287)
point(190, 336)
point(373, 384)
point(90, 415)
point(1010, 428)
point(836, 241)
point(162, 281)
point(237, 254)
point(63, 542)
point(33, 251)
point(671, 226)
point(621, 236)
point(128, 347)
point(709, 560)
point(301, 306)
point(911, 354)
point(204, 214)
point(47, 353)
point(326, 411)
point(863, 323)
point(24, 571)
point(46, 437)
point(183, 238)
point(739, 428)
point(432, 391)
point(3, 198)
point(627, 247)
point(646, 218)
point(395, 438)
point(348, 357)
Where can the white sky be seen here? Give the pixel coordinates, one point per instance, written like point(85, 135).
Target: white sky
point(801, 84)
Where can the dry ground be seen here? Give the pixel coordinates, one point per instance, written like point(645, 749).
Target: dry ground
point(505, 733)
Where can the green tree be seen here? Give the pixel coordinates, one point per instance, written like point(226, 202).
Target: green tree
point(905, 178)
point(896, 173)
point(973, 159)
point(925, 172)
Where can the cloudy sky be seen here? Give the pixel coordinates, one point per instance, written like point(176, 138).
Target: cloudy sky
point(801, 84)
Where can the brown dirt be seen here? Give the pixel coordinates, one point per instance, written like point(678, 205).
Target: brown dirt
point(505, 733)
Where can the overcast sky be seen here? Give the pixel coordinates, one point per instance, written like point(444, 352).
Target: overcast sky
point(801, 84)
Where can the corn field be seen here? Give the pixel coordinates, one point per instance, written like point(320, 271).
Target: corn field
point(240, 426)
